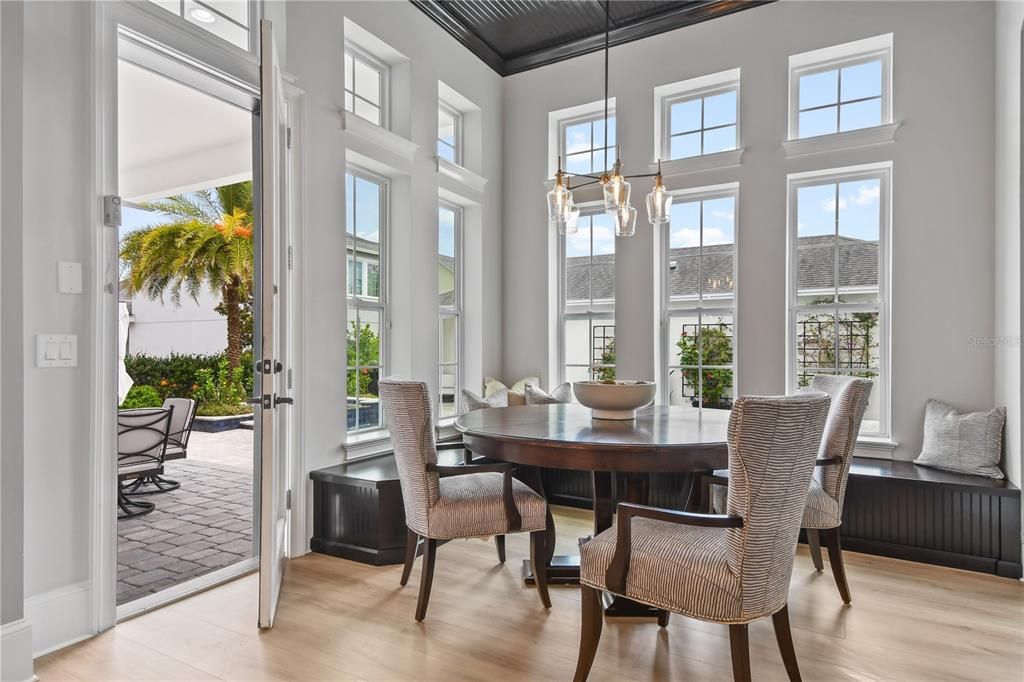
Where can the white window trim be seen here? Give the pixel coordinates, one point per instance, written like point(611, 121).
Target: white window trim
point(835, 57)
point(382, 68)
point(694, 88)
point(688, 195)
point(882, 439)
point(382, 305)
point(590, 208)
point(556, 127)
point(457, 117)
point(457, 312)
point(564, 123)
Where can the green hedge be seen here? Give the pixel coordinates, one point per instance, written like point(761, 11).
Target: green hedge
point(176, 376)
point(142, 396)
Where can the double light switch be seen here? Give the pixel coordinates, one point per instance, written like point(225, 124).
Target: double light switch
point(56, 350)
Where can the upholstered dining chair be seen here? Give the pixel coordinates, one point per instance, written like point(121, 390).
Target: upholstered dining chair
point(824, 513)
point(453, 502)
point(141, 444)
point(177, 447)
point(732, 568)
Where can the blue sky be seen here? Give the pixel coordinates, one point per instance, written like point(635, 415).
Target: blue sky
point(446, 232)
point(604, 236)
point(719, 222)
point(362, 206)
point(823, 89)
point(858, 209)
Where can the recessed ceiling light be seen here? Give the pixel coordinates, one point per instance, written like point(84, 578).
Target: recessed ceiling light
point(203, 16)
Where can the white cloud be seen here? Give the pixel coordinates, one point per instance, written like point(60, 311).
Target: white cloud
point(728, 215)
point(690, 237)
point(866, 194)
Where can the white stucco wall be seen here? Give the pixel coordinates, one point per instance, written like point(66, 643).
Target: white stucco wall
point(159, 328)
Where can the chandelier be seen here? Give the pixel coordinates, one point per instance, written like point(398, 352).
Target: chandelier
point(562, 210)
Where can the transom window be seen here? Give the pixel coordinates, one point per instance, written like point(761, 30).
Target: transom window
point(838, 293)
point(588, 300)
point(365, 85)
point(449, 279)
point(698, 299)
point(702, 124)
point(842, 88)
point(449, 134)
point(227, 19)
point(365, 245)
point(583, 144)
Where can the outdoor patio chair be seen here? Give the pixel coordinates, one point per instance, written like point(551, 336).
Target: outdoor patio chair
point(177, 447)
point(141, 444)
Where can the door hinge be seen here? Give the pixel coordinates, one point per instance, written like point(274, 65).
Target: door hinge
point(288, 138)
point(291, 257)
point(289, 377)
point(288, 499)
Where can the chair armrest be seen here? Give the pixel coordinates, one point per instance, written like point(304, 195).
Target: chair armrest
point(615, 578)
point(826, 461)
point(515, 520)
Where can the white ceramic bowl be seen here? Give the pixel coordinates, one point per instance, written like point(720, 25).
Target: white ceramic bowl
point(618, 400)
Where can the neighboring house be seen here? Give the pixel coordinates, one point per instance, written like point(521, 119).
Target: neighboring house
point(159, 328)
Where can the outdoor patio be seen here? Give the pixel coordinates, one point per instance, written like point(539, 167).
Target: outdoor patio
point(204, 525)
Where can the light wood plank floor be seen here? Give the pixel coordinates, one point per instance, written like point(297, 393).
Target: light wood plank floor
point(340, 620)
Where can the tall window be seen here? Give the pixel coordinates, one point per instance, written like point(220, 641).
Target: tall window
point(699, 299)
point(837, 300)
point(588, 300)
point(449, 134)
point(841, 88)
point(365, 85)
point(583, 145)
point(449, 279)
point(366, 295)
point(702, 124)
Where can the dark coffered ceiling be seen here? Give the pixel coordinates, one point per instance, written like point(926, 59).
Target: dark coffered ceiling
point(512, 36)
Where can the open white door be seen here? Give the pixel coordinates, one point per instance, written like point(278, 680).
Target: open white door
point(273, 472)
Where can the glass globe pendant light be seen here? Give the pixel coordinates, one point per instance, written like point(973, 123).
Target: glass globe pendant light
point(625, 221)
point(559, 198)
point(616, 189)
point(659, 201)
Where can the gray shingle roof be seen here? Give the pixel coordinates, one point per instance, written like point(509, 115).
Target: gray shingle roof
point(858, 267)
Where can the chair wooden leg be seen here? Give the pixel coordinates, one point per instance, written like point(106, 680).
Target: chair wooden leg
point(783, 635)
point(429, 552)
point(663, 618)
point(540, 570)
point(590, 635)
point(814, 545)
point(835, 557)
point(411, 541)
point(499, 544)
point(740, 646)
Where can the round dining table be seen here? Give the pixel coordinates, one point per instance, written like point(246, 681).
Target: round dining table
point(661, 439)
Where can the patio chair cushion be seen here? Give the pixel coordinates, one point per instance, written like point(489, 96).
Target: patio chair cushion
point(136, 465)
point(684, 569)
point(472, 505)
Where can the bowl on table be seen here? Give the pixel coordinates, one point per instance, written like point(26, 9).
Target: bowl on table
point(618, 399)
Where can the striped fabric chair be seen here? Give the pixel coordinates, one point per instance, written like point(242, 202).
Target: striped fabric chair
point(824, 513)
point(453, 502)
point(732, 568)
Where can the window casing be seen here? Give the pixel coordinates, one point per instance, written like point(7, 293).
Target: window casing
point(581, 143)
point(587, 299)
point(366, 86)
point(449, 279)
point(698, 285)
point(230, 20)
point(449, 134)
point(700, 123)
point(841, 88)
point(839, 231)
point(366, 297)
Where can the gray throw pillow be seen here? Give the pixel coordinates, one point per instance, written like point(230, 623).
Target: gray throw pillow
point(498, 398)
point(966, 442)
point(559, 394)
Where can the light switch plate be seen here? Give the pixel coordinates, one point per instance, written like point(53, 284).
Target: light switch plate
point(69, 278)
point(56, 350)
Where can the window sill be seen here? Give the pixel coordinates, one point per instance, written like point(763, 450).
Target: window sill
point(875, 448)
point(366, 444)
point(461, 175)
point(837, 141)
point(378, 138)
point(696, 164)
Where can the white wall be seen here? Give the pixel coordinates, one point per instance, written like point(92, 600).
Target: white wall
point(943, 240)
point(160, 328)
point(1009, 16)
point(314, 57)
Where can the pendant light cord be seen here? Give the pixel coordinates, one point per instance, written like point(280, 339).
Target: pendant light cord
point(607, 30)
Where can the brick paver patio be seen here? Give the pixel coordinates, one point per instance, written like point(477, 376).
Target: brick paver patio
point(204, 525)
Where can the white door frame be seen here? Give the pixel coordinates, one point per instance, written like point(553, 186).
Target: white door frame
point(200, 48)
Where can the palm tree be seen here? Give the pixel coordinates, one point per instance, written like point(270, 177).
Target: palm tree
point(207, 240)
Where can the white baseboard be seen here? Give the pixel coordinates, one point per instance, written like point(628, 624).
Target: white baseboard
point(60, 617)
point(16, 652)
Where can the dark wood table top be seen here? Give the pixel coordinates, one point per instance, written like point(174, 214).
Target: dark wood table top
point(661, 438)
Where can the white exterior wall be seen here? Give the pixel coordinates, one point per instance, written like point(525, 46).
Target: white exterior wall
point(161, 328)
point(943, 239)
